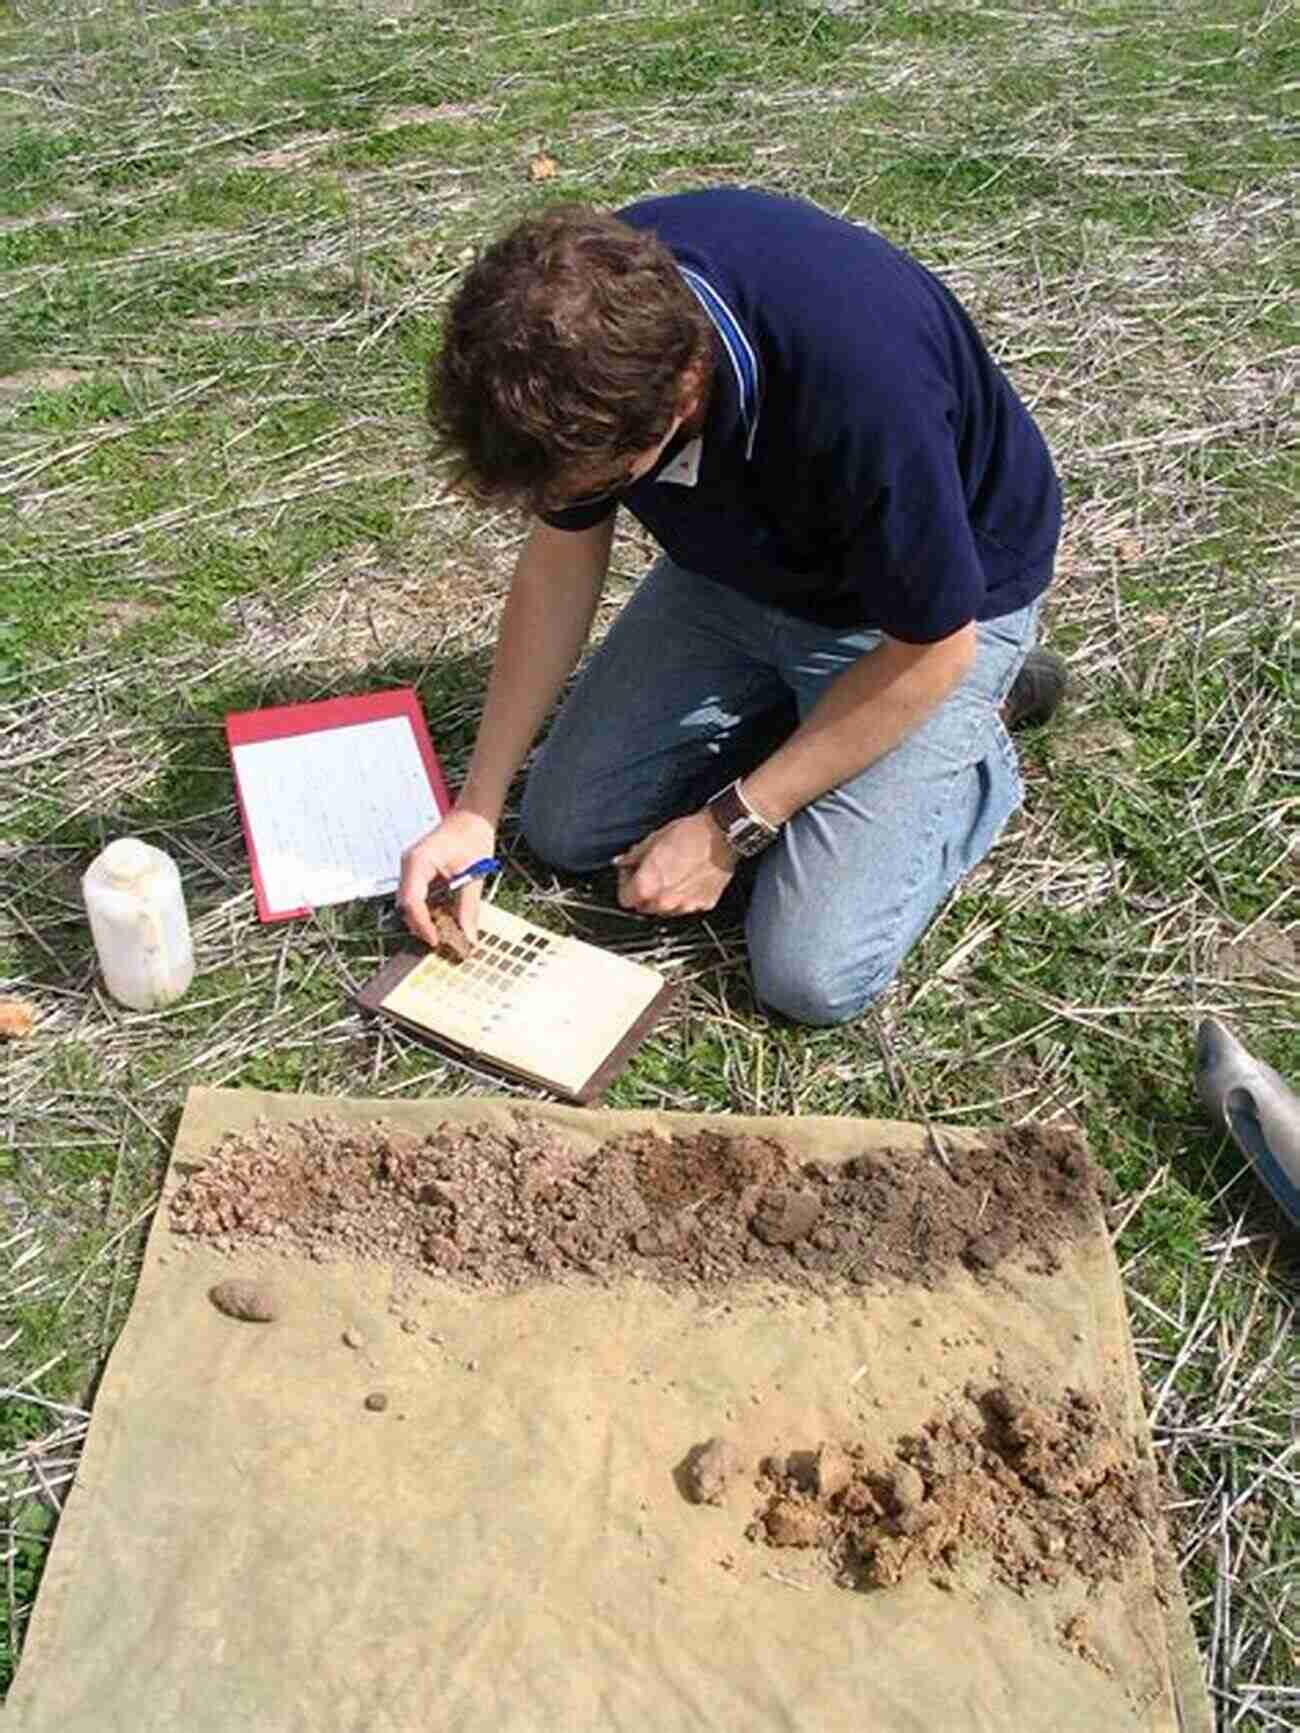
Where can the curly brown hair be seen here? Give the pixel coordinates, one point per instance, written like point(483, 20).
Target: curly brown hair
point(563, 353)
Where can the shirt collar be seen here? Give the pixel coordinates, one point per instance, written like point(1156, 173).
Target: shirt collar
point(740, 360)
point(684, 470)
point(736, 397)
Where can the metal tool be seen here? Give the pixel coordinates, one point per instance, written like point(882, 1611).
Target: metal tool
point(1257, 1107)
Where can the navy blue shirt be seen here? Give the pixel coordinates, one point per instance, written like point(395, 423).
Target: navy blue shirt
point(864, 462)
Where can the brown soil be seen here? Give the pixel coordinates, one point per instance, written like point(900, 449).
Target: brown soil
point(502, 1209)
point(1040, 1489)
point(452, 941)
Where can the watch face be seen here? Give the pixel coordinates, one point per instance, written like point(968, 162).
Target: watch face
point(745, 834)
point(748, 838)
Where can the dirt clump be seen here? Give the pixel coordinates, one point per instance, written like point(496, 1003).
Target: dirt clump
point(376, 1402)
point(250, 1302)
point(678, 1173)
point(789, 1522)
point(709, 1469)
point(785, 1214)
point(453, 942)
point(501, 1207)
point(832, 1470)
point(1037, 1488)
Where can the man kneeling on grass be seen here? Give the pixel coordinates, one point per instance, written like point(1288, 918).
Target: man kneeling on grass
point(858, 518)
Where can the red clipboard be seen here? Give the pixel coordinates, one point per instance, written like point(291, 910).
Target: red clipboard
point(282, 722)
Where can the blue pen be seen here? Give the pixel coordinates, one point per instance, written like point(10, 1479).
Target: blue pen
point(479, 870)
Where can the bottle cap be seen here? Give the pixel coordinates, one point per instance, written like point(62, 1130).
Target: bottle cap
point(126, 860)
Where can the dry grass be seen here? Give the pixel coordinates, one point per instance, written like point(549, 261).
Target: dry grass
point(246, 513)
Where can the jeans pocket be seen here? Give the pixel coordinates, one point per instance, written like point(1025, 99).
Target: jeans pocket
point(1003, 645)
point(1013, 797)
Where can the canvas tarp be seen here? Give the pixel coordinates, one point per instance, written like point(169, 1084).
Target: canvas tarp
point(505, 1549)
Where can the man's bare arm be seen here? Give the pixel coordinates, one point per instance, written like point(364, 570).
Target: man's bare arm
point(873, 705)
point(545, 623)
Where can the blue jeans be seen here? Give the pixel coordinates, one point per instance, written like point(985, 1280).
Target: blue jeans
point(695, 684)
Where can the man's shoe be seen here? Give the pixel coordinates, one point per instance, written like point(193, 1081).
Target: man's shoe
point(1036, 691)
point(1256, 1106)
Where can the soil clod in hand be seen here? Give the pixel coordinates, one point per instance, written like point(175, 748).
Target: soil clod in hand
point(250, 1302)
point(708, 1470)
point(376, 1402)
point(453, 943)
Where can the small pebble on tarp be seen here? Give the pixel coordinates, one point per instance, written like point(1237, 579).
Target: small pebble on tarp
point(708, 1469)
point(250, 1302)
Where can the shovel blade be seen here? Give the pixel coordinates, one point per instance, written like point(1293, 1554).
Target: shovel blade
point(1256, 1106)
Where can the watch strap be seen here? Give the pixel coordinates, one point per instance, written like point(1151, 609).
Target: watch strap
point(746, 831)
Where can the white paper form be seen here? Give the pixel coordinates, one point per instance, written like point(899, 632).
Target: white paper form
point(331, 812)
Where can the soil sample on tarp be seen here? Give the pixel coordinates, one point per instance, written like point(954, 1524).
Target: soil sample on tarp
point(524, 1376)
point(503, 1209)
point(1042, 1484)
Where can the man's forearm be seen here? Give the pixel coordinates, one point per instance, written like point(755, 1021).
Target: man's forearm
point(866, 712)
point(544, 625)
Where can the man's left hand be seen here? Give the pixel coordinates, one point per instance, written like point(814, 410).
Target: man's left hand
point(679, 869)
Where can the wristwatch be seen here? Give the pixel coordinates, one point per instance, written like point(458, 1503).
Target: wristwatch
point(746, 831)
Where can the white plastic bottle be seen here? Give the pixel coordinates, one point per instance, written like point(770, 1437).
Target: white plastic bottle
point(139, 925)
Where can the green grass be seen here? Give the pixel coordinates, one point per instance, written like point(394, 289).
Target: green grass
point(215, 492)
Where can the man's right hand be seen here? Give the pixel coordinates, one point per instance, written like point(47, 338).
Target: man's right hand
point(544, 624)
point(460, 840)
